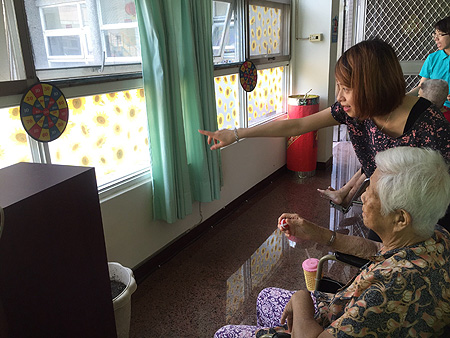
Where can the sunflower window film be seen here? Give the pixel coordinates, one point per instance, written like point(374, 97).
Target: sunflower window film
point(267, 99)
point(108, 132)
point(227, 101)
point(83, 38)
point(266, 25)
point(269, 23)
point(14, 142)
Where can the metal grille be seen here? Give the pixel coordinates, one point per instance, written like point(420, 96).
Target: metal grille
point(405, 25)
point(411, 81)
point(348, 24)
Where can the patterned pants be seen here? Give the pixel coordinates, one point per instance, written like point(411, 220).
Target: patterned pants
point(269, 307)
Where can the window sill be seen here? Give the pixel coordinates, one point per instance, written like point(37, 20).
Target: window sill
point(125, 184)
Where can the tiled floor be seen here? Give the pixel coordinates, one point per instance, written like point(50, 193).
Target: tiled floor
point(215, 280)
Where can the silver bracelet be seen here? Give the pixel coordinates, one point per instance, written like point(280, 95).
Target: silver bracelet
point(332, 239)
point(236, 135)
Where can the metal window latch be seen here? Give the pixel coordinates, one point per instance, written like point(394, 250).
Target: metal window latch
point(100, 70)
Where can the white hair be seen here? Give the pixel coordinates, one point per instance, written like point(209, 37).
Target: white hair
point(416, 180)
point(435, 91)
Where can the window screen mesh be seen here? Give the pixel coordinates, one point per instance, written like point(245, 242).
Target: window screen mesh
point(405, 25)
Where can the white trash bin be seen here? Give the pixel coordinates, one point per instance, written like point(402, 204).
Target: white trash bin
point(122, 302)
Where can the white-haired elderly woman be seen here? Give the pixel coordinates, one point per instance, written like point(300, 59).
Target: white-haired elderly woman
point(435, 91)
point(404, 290)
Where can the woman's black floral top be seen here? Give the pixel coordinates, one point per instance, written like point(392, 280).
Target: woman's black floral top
point(430, 130)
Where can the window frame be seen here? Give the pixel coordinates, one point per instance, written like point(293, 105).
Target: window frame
point(111, 76)
point(76, 86)
point(261, 62)
point(284, 55)
point(80, 31)
point(15, 87)
point(227, 27)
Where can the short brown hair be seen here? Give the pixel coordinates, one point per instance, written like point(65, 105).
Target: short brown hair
point(372, 70)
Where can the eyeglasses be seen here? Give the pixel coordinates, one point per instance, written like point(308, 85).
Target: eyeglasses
point(438, 35)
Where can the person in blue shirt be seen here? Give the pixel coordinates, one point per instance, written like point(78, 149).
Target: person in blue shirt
point(437, 64)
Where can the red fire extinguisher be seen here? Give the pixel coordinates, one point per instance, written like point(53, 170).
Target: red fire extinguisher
point(302, 149)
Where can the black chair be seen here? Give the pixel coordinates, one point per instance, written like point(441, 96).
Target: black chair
point(326, 284)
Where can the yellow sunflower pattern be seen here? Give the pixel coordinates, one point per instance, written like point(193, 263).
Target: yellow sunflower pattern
point(266, 257)
point(265, 25)
point(108, 132)
point(235, 292)
point(14, 145)
point(254, 271)
point(227, 101)
point(267, 97)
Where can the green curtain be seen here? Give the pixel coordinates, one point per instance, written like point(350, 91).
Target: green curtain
point(178, 72)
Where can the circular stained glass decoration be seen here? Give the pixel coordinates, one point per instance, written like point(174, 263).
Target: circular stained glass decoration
point(44, 112)
point(248, 76)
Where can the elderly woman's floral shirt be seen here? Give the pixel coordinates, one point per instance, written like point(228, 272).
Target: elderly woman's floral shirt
point(430, 130)
point(401, 293)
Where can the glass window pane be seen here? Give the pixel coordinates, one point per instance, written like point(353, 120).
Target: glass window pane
point(64, 46)
point(266, 100)
point(73, 34)
point(224, 33)
point(14, 146)
point(108, 132)
point(117, 11)
point(265, 30)
point(122, 43)
point(12, 66)
point(61, 17)
point(217, 34)
point(227, 101)
point(220, 8)
point(220, 14)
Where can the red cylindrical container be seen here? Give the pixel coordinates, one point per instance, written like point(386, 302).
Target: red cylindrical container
point(302, 150)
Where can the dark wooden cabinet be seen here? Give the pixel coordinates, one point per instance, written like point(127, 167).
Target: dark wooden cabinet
point(54, 279)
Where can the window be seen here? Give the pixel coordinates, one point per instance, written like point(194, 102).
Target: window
point(77, 44)
point(13, 70)
point(227, 101)
point(14, 146)
point(266, 100)
point(106, 131)
point(265, 30)
point(266, 44)
point(83, 38)
point(225, 32)
point(107, 126)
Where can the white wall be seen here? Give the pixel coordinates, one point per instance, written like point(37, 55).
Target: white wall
point(312, 65)
point(130, 234)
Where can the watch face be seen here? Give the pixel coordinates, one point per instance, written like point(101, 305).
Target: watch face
point(248, 76)
point(44, 112)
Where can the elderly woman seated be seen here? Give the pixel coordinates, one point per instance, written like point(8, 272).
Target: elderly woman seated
point(436, 91)
point(404, 291)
